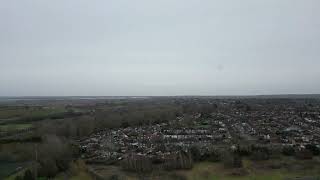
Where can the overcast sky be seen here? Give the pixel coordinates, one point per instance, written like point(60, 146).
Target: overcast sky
point(159, 47)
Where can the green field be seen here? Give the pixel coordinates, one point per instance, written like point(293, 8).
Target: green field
point(6, 168)
point(206, 171)
point(24, 116)
point(80, 176)
point(216, 171)
point(18, 112)
point(212, 171)
point(14, 127)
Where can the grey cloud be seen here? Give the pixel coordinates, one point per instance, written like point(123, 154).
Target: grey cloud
point(167, 47)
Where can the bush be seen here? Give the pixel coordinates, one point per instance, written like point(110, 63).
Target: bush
point(260, 154)
point(18, 178)
point(48, 168)
point(177, 176)
point(137, 163)
point(288, 151)
point(215, 156)
point(54, 155)
point(195, 152)
point(232, 160)
point(114, 177)
point(275, 152)
point(28, 175)
point(304, 154)
point(313, 148)
point(244, 150)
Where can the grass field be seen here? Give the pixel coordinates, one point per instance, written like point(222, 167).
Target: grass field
point(213, 171)
point(14, 127)
point(216, 171)
point(6, 168)
point(203, 171)
point(12, 177)
point(251, 170)
point(79, 176)
point(18, 112)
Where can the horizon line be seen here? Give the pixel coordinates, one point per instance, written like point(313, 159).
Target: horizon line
point(252, 95)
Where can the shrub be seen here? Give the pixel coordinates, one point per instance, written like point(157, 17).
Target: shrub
point(260, 154)
point(288, 151)
point(114, 177)
point(232, 160)
point(18, 178)
point(313, 148)
point(28, 175)
point(177, 176)
point(48, 168)
point(244, 150)
point(54, 155)
point(304, 154)
point(195, 152)
point(215, 156)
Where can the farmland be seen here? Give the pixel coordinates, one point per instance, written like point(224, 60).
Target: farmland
point(11, 112)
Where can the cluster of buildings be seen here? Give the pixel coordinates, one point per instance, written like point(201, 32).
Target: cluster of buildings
point(153, 141)
point(264, 123)
point(286, 127)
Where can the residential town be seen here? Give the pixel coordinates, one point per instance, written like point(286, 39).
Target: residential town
point(271, 125)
